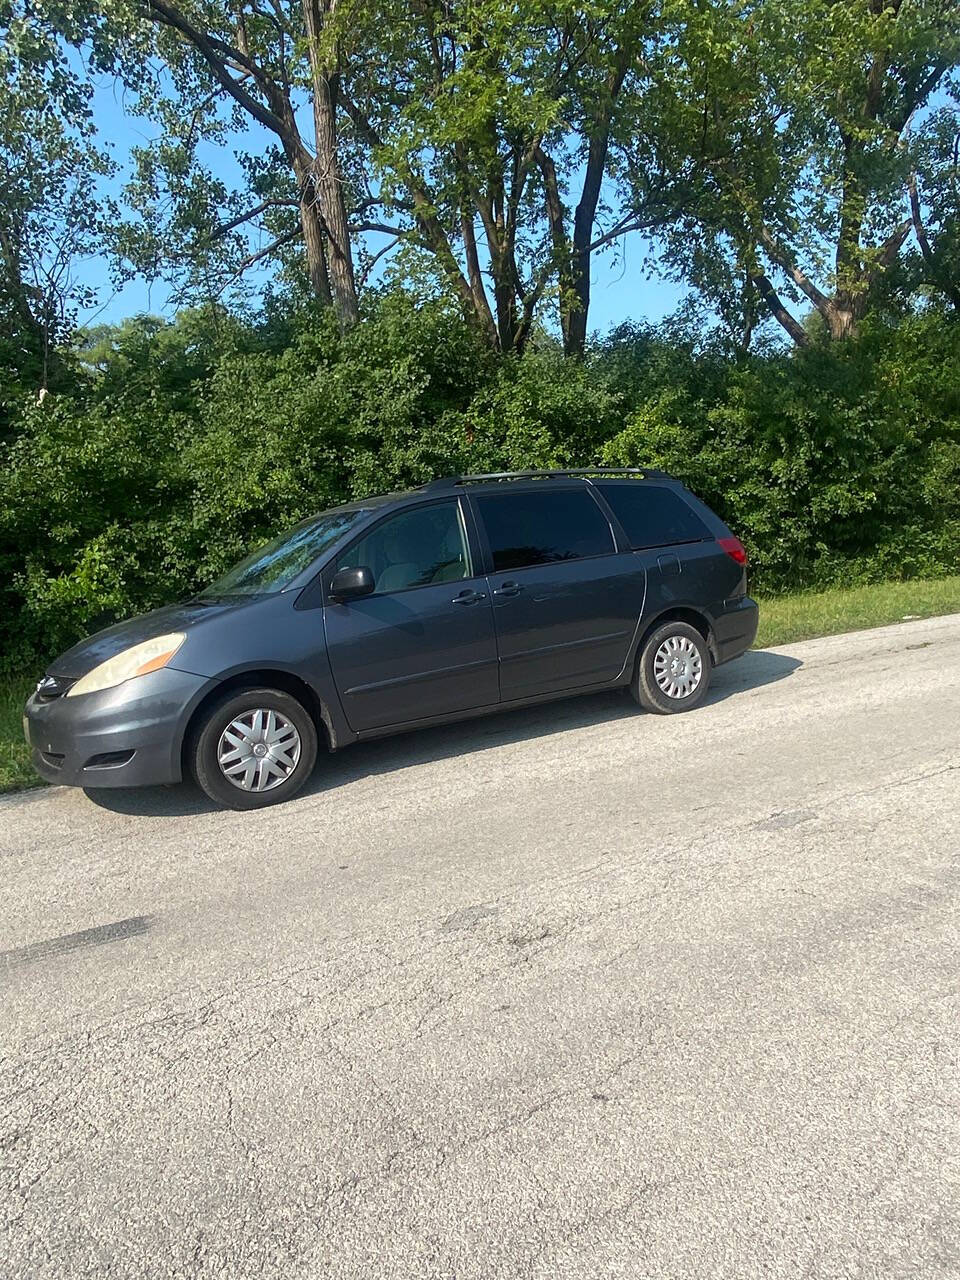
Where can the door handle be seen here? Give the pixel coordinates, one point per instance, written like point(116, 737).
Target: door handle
point(507, 589)
point(469, 597)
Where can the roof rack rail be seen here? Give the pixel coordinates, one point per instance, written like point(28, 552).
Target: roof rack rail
point(450, 482)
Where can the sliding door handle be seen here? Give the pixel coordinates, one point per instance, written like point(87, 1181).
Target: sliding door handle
point(507, 589)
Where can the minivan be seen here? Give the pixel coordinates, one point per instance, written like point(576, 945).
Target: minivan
point(472, 594)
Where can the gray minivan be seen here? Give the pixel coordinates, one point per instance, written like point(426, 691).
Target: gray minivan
point(469, 595)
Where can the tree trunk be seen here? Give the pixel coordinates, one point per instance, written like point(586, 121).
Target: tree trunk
point(313, 244)
point(577, 302)
point(480, 305)
point(578, 292)
point(558, 237)
point(857, 274)
point(578, 283)
point(504, 297)
point(326, 180)
point(843, 316)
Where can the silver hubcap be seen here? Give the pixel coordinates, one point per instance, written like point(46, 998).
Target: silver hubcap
point(258, 751)
point(677, 667)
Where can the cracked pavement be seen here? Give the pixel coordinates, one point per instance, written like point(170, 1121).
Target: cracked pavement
point(568, 992)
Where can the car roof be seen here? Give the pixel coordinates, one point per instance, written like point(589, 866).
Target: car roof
point(577, 475)
point(375, 500)
point(500, 480)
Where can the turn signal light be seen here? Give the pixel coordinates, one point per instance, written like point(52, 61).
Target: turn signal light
point(734, 549)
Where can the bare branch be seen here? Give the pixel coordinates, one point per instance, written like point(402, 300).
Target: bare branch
point(383, 228)
point(624, 227)
point(779, 311)
point(915, 96)
point(784, 259)
point(226, 227)
point(295, 233)
point(892, 246)
point(216, 53)
point(365, 274)
point(920, 229)
point(530, 300)
point(360, 121)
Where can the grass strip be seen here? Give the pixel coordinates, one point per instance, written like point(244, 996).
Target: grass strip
point(787, 619)
point(16, 771)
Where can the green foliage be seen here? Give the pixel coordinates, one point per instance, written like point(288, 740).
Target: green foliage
point(186, 443)
point(936, 203)
point(794, 128)
point(835, 465)
point(52, 212)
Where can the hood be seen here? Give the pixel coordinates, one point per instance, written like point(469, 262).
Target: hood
point(89, 653)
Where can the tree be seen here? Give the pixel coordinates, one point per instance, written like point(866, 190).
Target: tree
point(794, 116)
point(934, 190)
point(201, 70)
point(249, 54)
point(477, 135)
point(50, 216)
point(771, 145)
point(492, 124)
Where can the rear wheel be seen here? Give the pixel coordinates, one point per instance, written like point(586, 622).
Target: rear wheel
point(673, 672)
point(253, 748)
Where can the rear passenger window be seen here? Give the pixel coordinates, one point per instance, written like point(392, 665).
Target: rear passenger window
point(652, 516)
point(543, 528)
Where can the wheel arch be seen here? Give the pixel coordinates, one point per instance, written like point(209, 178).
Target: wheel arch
point(695, 618)
point(265, 677)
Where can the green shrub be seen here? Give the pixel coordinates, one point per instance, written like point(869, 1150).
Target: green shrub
point(835, 465)
point(185, 443)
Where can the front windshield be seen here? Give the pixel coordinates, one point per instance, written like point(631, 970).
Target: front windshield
point(275, 565)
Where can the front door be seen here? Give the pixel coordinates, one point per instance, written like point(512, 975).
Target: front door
point(423, 643)
point(566, 602)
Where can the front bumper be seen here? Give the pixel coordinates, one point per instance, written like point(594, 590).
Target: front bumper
point(127, 736)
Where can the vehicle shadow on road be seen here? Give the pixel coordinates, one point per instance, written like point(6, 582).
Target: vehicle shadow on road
point(755, 669)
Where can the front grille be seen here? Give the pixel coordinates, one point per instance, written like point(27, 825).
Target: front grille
point(51, 687)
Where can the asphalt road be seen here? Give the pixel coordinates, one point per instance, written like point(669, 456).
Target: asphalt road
point(576, 992)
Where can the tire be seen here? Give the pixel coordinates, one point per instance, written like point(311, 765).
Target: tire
point(673, 670)
point(226, 744)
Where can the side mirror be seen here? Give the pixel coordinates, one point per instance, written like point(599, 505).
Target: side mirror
point(350, 584)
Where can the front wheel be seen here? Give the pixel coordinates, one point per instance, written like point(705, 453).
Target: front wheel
point(673, 672)
point(253, 748)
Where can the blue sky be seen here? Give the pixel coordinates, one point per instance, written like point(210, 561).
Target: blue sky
point(620, 289)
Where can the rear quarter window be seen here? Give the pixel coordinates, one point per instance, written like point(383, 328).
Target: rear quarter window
point(653, 516)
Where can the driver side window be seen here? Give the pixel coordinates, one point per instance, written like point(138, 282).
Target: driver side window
point(414, 549)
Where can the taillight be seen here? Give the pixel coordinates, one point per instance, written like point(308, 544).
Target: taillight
point(734, 549)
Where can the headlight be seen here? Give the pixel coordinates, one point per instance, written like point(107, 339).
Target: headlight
point(151, 655)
